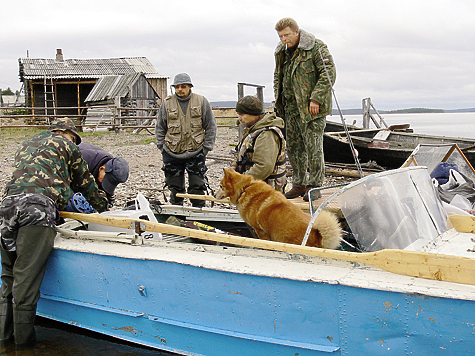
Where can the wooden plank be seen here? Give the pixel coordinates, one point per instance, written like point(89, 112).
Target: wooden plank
point(410, 263)
point(303, 206)
point(400, 127)
point(378, 144)
point(382, 135)
point(463, 223)
point(202, 214)
point(351, 131)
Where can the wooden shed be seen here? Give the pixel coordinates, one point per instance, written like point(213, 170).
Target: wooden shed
point(130, 90)
point(66, 83)
point(122, 96)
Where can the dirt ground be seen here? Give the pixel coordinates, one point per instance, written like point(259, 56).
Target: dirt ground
point(145, 161)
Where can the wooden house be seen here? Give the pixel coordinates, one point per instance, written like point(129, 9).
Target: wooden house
point(122, 96)
point(66, 83)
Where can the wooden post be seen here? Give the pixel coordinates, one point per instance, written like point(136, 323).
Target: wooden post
point(260, 96)
point(365, 113)
point(240, 90)
point(381, 119)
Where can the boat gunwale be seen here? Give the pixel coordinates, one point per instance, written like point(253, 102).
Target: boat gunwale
point(272, 264)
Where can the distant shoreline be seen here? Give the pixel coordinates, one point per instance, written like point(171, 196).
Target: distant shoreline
point(232, 104)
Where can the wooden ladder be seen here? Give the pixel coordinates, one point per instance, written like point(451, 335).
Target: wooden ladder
point(50, 100)
point(367, 115)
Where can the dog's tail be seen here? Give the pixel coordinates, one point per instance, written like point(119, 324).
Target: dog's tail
point(329, 229)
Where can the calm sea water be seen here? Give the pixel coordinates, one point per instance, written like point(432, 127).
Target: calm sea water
point(63, 340)
point(58, 339)
point(444, 124)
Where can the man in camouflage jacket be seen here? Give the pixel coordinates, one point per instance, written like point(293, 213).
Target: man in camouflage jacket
point(49, 169)
point(261, 151)
point(303, 98)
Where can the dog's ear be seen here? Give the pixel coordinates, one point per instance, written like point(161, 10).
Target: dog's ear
point(226, 172)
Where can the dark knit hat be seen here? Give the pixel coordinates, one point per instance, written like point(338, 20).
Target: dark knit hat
point(249, 105)
point(182, 78)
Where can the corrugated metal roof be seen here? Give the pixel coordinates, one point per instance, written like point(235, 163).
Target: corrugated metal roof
point(36, 68)
point(112, 86)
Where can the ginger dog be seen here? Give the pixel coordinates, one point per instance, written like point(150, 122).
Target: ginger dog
point(272, 216)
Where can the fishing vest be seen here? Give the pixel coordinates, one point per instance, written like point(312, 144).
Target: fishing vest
point(185, 130)
point(278, 178)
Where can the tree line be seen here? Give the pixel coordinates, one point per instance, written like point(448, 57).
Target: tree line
point(7, 91)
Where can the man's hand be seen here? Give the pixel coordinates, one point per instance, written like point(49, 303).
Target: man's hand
point(314, 108)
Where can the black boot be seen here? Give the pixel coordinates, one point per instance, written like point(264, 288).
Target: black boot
point(6, 323)
point(24, 328)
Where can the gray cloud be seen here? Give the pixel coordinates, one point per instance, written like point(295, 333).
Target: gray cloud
point(404, 54)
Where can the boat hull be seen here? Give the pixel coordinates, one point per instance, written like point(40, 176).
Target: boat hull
point(226, 301)
point(390, 153)
point(338, 151)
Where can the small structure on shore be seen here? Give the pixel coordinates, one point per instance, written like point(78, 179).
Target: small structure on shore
point(65, 83)
point(124, 96)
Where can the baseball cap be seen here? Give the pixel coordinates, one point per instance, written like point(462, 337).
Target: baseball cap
point(117, 171)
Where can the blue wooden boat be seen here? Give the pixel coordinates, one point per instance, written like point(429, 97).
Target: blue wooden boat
point(191, 297)
point(212, 300)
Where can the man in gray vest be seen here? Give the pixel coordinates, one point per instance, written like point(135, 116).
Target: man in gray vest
point(185, 132)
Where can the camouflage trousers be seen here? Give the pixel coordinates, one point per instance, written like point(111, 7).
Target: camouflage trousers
point(305, 150)
point(175, 177)
point(21, 210)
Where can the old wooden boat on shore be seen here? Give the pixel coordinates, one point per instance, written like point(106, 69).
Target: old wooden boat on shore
point(388, 147)
point(212, 300)
point(185, 293)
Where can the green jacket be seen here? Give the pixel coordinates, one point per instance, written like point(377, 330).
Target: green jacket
point(264, 150)
point(309, 80)
point(49, 164)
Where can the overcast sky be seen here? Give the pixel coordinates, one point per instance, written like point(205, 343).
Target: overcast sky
point(407, 53)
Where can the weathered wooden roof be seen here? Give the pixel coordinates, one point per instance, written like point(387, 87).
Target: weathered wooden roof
point(112, 86)
point(36, 68)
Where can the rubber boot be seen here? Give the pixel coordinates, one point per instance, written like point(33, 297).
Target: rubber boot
point(6, 323)
point(316, 194)
point(197, 185)
point(24, 328)
point(176, 184)
point(295, 192)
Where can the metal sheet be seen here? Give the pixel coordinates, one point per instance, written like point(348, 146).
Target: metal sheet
point(37, 68)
